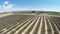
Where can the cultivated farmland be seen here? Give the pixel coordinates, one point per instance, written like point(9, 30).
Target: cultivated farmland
point(29, 24)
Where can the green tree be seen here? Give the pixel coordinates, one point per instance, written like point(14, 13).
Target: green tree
point(33, 11)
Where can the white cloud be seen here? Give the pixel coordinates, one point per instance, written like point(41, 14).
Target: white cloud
point(6, 6)
point(6, 2)
point(0, 6)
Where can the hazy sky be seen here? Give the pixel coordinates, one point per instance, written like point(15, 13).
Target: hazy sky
point(13, 5)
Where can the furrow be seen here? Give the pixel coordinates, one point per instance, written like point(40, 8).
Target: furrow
point(23, 26)
point(46, 31)
point(12, 27)
point(9, 25)
point(40, 28)
point(32, 32)
point(54, 25)
point(27, 30)
point(50, 25)
point(43, 26)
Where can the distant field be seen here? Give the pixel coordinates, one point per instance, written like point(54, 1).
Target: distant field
point(57, 14)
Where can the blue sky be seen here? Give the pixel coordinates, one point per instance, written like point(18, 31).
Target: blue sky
point(16, 5)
